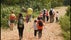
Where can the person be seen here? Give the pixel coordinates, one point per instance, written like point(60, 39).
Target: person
point(27, 18)
point(41, 16)
point(47, 17)
point(35, 27)
point(20, 25)
point(57, 19)
point(12, 19)
point(44, 12)
point(39, 27)
point(51, 13)
point(29, 12)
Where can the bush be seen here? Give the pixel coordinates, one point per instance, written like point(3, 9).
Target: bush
point(68, 11)
point(65, 25)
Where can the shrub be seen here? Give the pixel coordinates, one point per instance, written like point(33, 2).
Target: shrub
point(68, 11)
point(65, 25)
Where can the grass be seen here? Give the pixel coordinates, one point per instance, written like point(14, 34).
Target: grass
point(65, 25)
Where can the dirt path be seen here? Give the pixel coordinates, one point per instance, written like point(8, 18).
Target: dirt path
point(52, 31)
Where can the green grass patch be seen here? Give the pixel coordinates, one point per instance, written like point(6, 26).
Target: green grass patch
point(65, 25)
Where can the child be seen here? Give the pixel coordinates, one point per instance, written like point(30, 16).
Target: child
point(35, 27)
point(57, 16)
point(40, 27)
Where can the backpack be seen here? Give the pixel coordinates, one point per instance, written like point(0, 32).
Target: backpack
point(40, 23)
point(20, 21)
point(12, 17)
point(51, 13)
point(44, 12)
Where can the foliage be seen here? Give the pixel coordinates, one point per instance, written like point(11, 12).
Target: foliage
point(65, 25)
point(66, 2)
point(66, 35)
point(68, 11)
point(35, 4)
point(55, 3)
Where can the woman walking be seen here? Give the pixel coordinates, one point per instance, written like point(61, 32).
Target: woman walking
point(52, 14)
point(47, 16)
point(12, 19)
point(44, 12)
point(20, 25)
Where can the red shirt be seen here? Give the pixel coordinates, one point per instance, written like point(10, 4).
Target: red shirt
point(46, 13)
point(39, 27)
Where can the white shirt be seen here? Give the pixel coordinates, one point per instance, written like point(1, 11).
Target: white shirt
point(35, 26)
point(57, 14)
point(53, 11)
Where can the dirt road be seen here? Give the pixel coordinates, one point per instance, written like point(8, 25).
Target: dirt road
point(52, 31)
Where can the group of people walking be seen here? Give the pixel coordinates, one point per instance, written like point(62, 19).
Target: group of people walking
point(45, 15)
point(38, 23)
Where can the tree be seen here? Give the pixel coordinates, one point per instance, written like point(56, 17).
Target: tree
point(66, 2)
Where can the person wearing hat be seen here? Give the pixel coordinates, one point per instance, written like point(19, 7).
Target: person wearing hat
point(12, 19)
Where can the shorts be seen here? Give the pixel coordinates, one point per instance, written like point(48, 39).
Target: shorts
point(12, 21)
